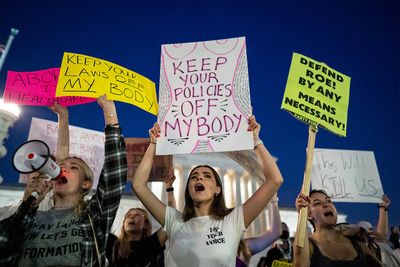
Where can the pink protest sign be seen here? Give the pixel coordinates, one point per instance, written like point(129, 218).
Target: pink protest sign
point(204, 97)
point(37, 88)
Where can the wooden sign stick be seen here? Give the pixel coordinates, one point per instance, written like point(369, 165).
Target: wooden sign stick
point(301, 225)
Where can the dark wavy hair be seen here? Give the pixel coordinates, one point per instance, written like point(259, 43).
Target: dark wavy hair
point(314, 191)
point(218, 209)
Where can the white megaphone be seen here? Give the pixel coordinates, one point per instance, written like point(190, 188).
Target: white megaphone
point(33, 156)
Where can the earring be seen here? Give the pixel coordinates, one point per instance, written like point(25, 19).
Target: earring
point(215, 194)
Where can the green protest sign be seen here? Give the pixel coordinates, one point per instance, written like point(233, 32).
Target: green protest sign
point(317, 94)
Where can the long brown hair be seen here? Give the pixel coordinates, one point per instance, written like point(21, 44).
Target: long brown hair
point(218, 208)
point(244, 250)
point(122, 245)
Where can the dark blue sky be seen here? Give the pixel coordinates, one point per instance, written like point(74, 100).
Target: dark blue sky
point(358, 38)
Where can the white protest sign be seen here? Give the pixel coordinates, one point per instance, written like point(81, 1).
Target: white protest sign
point(347, 175)
point(84, 143)
point(204, 97)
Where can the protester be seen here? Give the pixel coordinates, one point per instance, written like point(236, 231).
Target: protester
point(327, 246)
point(281, 252)
point(136, 245)
point(74, 231)
point(395, 237)
point(206, 233)
point(62, 152)
point(376, 240)
point(250, 246)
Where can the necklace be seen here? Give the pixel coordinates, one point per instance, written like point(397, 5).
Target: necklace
point(61, 207)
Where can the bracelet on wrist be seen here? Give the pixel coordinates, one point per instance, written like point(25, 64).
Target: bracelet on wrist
point(111, 115)
point(169, 189)
point(151, 142)
point(258, 142)
point(274, 200)
point(383, 207)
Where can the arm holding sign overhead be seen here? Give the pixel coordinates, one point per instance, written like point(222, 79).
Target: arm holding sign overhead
point(141, 177)
point(63, 131)
point(259, 200)
point(383, 221)
point(169, 189)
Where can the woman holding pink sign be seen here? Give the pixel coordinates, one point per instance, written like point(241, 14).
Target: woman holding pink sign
point(206, 233)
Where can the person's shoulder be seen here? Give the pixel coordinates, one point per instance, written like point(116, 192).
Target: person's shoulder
point(112, 239)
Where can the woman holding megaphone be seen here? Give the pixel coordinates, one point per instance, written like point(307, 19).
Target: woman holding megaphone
point(74, 231)
point(62, 151)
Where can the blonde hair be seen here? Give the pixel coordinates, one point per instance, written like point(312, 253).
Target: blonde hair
point(87, 175)
point(122, 245)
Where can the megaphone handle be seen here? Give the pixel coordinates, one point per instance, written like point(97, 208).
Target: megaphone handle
point(34, 196)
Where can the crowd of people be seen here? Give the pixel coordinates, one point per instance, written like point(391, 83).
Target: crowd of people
point(65, 227)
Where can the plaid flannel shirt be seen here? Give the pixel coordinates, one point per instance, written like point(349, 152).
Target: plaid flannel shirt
point(102, 208)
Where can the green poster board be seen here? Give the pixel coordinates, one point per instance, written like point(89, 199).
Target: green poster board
point(317, 94)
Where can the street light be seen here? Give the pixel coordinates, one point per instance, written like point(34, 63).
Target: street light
point(9, 113)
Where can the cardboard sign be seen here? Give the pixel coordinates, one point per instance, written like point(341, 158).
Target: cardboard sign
point(37, 88)
point(84, 143)
point(135, 149)
point(317, 94)
point(204, 97)
point(347, 175)
point(281, 263)
point(248, 159)
point(82, 75)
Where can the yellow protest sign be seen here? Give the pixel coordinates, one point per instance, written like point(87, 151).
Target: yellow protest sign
point(317, 94)
point(278, 263)
point(82, 75)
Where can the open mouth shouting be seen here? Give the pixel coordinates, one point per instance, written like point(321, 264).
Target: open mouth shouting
point(199, 187)
point(61, 180)
point(328, 213)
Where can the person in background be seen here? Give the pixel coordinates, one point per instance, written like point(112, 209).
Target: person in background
point(327, 246)
point(74, 231)
point(376, 240)
point(62, 152)
point(395, 237)
point(136, 245)
point(206, 233)
point(282, 250)
point(253, 245)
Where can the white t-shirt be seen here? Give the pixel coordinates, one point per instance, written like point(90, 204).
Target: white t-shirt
point(203, 241)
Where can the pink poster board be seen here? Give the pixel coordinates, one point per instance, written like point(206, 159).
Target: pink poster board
point(37, 88)
point(204, 97)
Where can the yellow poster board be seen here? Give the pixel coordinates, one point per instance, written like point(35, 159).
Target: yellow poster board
point(278, 263)
point(82, 75)
point(317, 94)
